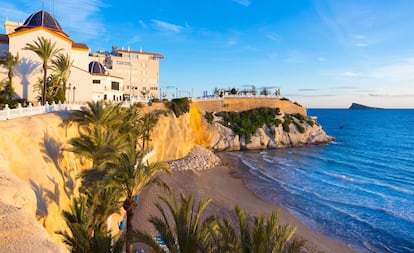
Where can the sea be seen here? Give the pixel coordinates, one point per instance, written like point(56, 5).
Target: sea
point(358, 190)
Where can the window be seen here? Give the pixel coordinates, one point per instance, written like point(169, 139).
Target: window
point(115, 85)
point(96, 81)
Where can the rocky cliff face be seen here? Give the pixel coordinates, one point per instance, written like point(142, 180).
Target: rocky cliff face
point(38, 176)
point(223, 138)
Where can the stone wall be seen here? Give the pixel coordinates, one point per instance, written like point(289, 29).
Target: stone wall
point(237, 104)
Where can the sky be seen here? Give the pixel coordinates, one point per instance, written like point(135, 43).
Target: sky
point(320, 53)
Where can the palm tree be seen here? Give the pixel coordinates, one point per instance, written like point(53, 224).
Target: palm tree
point(130, 176)
point(99, 115)
point(103, 204)
point(187, 232)
point(266, 235)
point(108, 137)
point(83, 235)
point(149, 120)
point(10, 62)
point(46, 50)
point(62, 64)
point(100, 146)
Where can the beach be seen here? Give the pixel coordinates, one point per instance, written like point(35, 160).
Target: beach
point(224, 185)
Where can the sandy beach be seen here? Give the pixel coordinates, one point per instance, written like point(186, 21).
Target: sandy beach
point(225, 187)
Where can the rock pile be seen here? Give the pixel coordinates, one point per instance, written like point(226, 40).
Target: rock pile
point(199, 158)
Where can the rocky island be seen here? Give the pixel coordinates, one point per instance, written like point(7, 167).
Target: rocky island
point(356, 106)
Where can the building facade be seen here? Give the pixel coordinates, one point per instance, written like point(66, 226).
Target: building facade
point(140, 71)
point(115, 76)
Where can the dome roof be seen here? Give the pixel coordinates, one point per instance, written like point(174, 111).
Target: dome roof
point(96, 68)
point(42, 18)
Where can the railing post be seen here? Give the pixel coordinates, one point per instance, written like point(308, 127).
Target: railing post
point(30, 108)
point(6, 107)
point(46, 109)
point(53, 107)
point(20, 109)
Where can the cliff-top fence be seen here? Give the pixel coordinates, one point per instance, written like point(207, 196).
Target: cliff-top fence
point(242, 103)
point(30, 110)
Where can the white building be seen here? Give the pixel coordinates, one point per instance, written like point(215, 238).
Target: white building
point(88, 80)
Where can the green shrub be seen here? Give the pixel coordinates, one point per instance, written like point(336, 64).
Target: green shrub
point(299, 127)
point(286, 123)
point(246, 123)
point(296, 103)
point(179, 106)
point(139, 104)
point(155, 100)
point(209, 117)
point(310, 122)
point(298, 116)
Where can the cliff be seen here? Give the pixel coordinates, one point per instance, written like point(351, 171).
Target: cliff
point(38, 175)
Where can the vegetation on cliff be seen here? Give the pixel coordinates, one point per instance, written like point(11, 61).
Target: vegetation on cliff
point(246, 123)
point(179, 106)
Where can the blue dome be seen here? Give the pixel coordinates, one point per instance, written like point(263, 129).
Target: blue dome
point(96, 68)
point(42, 18)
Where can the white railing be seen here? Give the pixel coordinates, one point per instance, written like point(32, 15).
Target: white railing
point(235, 96)
point(20, 111)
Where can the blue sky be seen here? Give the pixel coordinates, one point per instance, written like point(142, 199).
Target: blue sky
point(320, 53)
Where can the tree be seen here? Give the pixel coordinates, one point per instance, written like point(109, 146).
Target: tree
point(98, 115)
point(109, 138)
point(84, 236)
point(187, 232)
point(46, 50)
point(148, 121)
point(7, 93)
point(131, 175)
point(62, 64)
point(9, 61)
point(264, 236)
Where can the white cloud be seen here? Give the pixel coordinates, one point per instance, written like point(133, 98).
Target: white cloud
point(403, 71)
point(165, 26)
point(243, 2)
point(12, 12)
point(134, 39)
point(391, 94)
point(142, 24)
point(350, 74)
point(70, 14)
point(272, 36)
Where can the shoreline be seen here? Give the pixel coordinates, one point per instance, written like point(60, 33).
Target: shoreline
point(315, 242)
point(225, 186)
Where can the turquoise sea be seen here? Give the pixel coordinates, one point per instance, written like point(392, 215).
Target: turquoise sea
point(358, 190)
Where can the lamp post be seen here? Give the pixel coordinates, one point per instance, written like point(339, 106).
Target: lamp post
point(68, 92)
point(74, 91)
